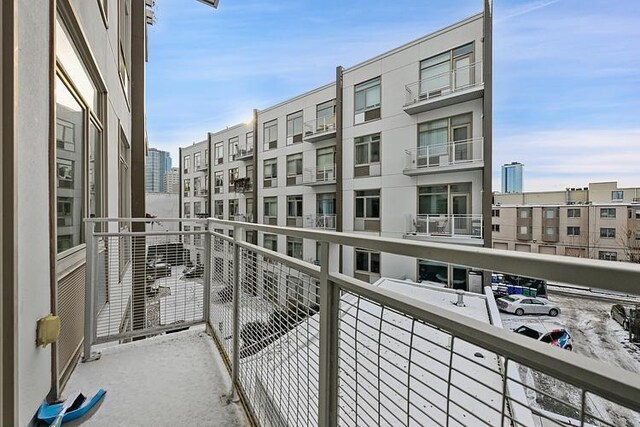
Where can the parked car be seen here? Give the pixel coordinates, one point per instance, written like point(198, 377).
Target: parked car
point(520, 304)
point(194, 272)
point(622, 315)
point(158, 269)
point(557, 337)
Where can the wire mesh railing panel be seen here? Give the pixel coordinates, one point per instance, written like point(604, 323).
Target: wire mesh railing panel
point(221, 314)
point(279, 341)
point(147, 283)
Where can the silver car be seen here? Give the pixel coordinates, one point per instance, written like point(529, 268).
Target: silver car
point(520, 304)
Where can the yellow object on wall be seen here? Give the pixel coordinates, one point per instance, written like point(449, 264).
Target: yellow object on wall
point(48, 330)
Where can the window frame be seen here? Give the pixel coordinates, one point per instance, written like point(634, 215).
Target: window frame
point(293, 120)
point(218, 153)
point(605, 213)
point(233, 145)
point(571, 213)
point(369, 255)
point(365, 197)
point(298, 207)
point(295, 244)
point(365, 86)
point(272, 127)
point(607, 234)
point(369, 141)
point(571, 230)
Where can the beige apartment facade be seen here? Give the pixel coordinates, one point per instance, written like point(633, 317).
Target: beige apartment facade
point(601, 221)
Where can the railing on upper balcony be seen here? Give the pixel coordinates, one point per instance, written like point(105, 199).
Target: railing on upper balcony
point(465, 152)
point(447, 83)
point(449, 225)
point(320, 125)
point(307, 345)
point(242, 217)
point(243, 152)
point(325, 221)
point(319, 175)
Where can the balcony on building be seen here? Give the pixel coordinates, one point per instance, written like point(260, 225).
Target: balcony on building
point(319, 175)
point(446, 228)
point(201, 192)
point(321, 221)
point(244, 153)
point(320, 129)
point(243, 185)
point(448, 157)
point(242, 218)
point(458, 85)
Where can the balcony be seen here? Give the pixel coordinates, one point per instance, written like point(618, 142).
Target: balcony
point(320, 129)
point(243, 185)
point(326, 222)
point(321, 175)
point(242, 218)
point(294, 344)
point(452, 87)
point(244, 153)
point(466, 229)
point(202, 192)
point(450, 157)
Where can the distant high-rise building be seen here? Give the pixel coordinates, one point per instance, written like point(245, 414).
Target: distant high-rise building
point(172, 181)
point(158, 164)
point(512, 177)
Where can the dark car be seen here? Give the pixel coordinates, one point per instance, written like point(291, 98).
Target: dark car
point(622, 315)
point(194, 272)
point(158, 269)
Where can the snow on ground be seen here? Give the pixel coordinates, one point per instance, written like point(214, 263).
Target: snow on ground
point(594, 335)
point(171, 380)
point(184, 301)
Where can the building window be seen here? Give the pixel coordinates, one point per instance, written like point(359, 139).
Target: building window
point(65, 135)
point(367, 261)
point(196, 186)
point(368, 204)
point(367, 155)
point(218, 153)
point(326, 116)
point(445, 141)
point(367, 101)
point(453, 69)
point(197, 208)
point(187, 187)
point(218, 182)
point(495, 213)
point(549, 213)
point(294, 247)
point(637, 235)
point(270, 241)
point(270, 173)
point(524, 229)
point(233, 177)
point(607, 212)
point(124, 42)
point(325, 163)
point(233, 148)
point(573, 213)
point(524, 213)
point(495, 227)
point(549, 231)
point(294, 128)
point(206, 157)
point(187, 209)
point(249, 142)
point(294, 169)
point(608, 255)
point(608, 233)
point(249, 208)
point(271, 135)
point(233, 208)
point(451, 199)
point(573, 231)
point(617, 195)
point(196, 161)
point(294, 206)
point(271, 207)
point(218, 209)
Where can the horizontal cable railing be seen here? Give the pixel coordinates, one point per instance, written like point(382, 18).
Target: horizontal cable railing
point(464, 152)
point(308, 345)
point(457, 79)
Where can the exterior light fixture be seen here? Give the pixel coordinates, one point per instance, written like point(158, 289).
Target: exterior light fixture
point(212, 3)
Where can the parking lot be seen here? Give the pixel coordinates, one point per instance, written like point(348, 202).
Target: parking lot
point(595, 335)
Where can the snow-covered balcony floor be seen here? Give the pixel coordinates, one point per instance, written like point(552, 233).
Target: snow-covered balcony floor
point(174, 379)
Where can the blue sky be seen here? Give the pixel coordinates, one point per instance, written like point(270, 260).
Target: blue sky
point(566, 72)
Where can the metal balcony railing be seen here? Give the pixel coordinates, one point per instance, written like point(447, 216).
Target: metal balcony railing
point(447, 83)
point(319, 175)
point(326, 221)
point(243, 217)
point(309, 346)
point(243, 152)
point(319, 126)
point(449, 225)
point(466, 152)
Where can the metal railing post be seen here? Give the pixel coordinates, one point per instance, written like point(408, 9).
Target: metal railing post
point(206, 288)
point(329, 329)
point(235, 361)
point(90, 269)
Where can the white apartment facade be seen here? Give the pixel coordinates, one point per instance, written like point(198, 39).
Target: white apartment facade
point(394, 147)
point(172, 181)
point(601, 221)
point(194, 195)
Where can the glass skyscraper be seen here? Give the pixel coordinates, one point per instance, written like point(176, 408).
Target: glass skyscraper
point(512, 177)
point(158, 164)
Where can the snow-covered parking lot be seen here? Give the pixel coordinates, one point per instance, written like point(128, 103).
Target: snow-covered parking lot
point(594, 335)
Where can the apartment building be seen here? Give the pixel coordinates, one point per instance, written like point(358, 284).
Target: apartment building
point(73, 146)
point(194, 197)
point(398, 146)
point(512, 177)
point(601, 221)
point(172, 181)
point(157, 166)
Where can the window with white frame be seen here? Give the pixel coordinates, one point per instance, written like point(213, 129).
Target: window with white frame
point(294, 206)
point(367, 152)
point(187, 187)
point(617, 195)
point(206, 157)
point(607, 212)
point(187, 210)
point(233, 177)
point(270, 172)
point(196, 186)
point(294, 128)
point(367, 261)
point(451, 70)
point(294, 247)
point(270, 134)
point(326, 116)
point(124, 43)
point(270, 241)
point(573, 213)
point(218, 153)
point(196, 161)
point(233, 148)
point(233, 208)
point(607, 233)
point(197, 208)
point(608, 255)
point(249, 142)
point(368, 204)
point(271, 207)
point(294, 169)
point(218, 209)
point(218, 182)
point(367, 101)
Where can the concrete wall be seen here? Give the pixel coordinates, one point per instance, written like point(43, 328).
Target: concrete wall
point(33, 272)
